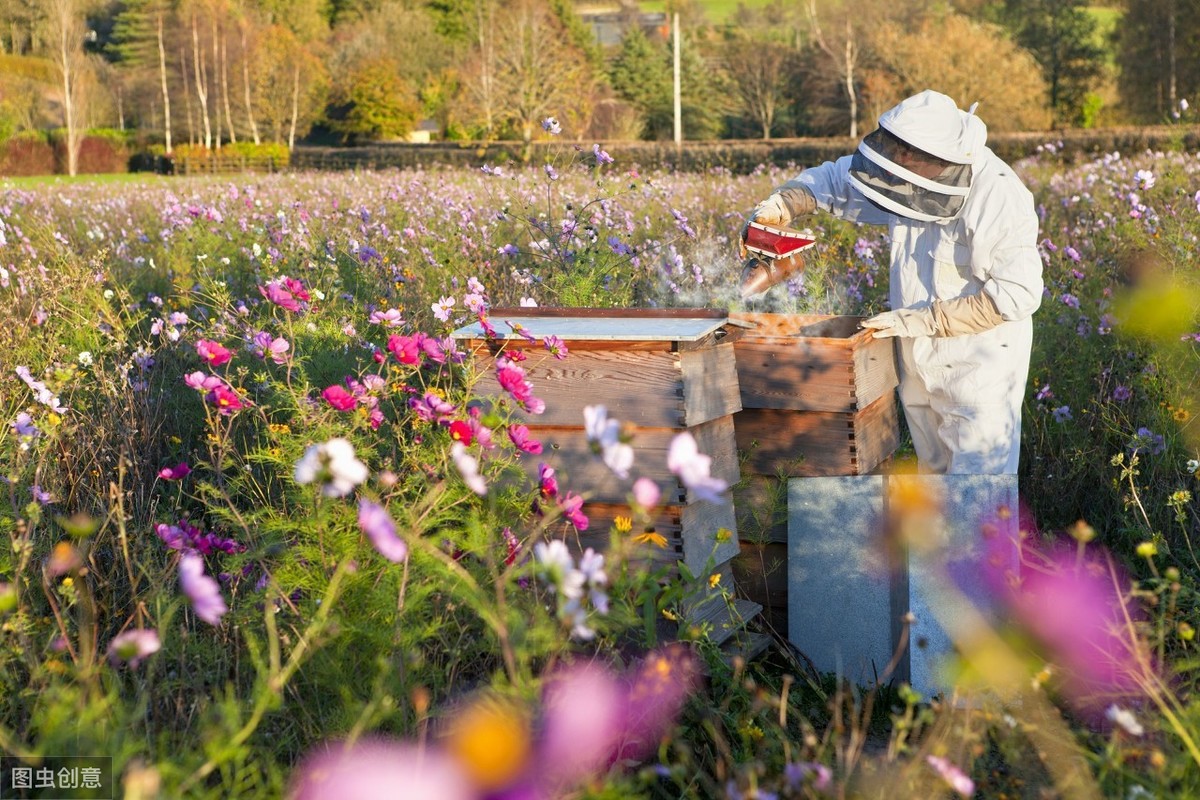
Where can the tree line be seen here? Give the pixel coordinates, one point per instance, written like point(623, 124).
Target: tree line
point(211, 73)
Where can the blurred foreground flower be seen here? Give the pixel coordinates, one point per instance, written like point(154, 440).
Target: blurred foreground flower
point(177, 472)
point(590, 719)
point(201, 590)
point(377, 524)
point(952, 775)
point(693, 468)
point(131, 647)
point(333, 465)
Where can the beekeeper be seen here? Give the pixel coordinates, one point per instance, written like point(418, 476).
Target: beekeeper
point(966, 276)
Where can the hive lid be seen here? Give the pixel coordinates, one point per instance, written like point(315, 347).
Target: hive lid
point(633, 325)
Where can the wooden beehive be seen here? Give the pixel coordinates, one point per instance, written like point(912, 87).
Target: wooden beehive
point(660, 372)
point(818, 400)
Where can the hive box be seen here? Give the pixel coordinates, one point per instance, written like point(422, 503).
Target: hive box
point(818, 400)
point(658, 371)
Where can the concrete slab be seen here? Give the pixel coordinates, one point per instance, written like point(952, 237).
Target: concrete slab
point(840, 593)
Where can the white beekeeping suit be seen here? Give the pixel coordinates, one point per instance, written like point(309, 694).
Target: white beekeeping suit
point(966, 276)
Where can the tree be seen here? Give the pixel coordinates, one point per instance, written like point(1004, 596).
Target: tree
point(1158, 56)
point(290, 85)
point(760, 57)
point(641, 75)
point(969, 61)
point(67, 32)
point(139, 34)
point(379, 104)
point(1061, 36)
point(539, 73)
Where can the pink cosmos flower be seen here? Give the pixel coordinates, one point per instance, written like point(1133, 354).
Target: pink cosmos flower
point(431, 407)
point(388, 319)
point(512, 545)
point(279, 296)
point(556, 346)
point(296, 287)
point(212, 353)
point(519, 435)
point(546, 480)
point(646, 493)
point(339, 398)
point(132, 646)
point(202, 382)
point(685, 460)
point(377, 524)
point(443, 308)
point(952, 775)
point(657, 690)
point(177, 472)
point(201, 590)
point(406, 349)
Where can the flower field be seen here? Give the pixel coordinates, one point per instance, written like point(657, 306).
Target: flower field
point(265, 537)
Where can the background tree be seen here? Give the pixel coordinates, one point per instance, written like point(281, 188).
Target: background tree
point(66, 36)
point(1158, 56)
point(760, 56)
point(968, 60)
point(540, 73)
point(640, 74)
point(1061, 35)
point(378, 103)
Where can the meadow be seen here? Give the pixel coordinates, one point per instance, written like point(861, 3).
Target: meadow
point(266, 538)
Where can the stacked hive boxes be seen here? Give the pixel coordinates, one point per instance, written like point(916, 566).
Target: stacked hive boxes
point(659, 372)
point(818, 401)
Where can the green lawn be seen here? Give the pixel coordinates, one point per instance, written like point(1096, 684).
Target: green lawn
point(28, 181)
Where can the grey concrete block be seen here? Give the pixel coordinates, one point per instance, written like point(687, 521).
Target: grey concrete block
point(840, 594)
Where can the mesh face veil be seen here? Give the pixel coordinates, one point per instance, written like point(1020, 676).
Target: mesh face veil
point(904, 180)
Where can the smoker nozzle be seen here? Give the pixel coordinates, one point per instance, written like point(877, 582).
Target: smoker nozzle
point(760, 273)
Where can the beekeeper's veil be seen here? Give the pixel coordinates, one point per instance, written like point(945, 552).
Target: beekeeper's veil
point(918, 162)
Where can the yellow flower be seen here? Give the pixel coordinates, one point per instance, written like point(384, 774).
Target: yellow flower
point(623, 524)
point(713, 580)
point(1186, 632)
point(724, 534)
point(651, 537)
point(1147, 550)
point(491, 739)
point(1182, 415)
point(279, 428)
point(671, 615)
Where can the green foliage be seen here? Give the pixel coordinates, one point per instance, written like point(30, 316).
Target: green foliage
point(379, 104)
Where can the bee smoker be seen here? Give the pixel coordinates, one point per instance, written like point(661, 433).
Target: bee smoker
point(776, 254)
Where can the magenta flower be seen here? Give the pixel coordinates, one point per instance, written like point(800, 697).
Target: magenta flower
point(177, 472)
point(339, 398)
point(212, 353)
point(226, 399)
point(201, 590)
point(406, 349)
point(685, 461)
point(374, 768)
point(572, 510)
point(296, 287)
point(584, 716)
point(377, 524)
point(658, 688)
point(133, 646)
point(519, 435)
point(548, 483)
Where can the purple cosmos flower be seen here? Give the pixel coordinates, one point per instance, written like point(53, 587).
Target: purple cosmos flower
point(551, 172)
point(1148, 442)
point(693, 469)
point(572, 510)
point(601, 156)
point(551, 126)
point(818, 776)
point(556, 346)
point(201, 590)
point(377, 524)
point(133, 646)
point(1122, 393)
point(177, 472)
point(1062, 414)
point(1045, 393)
point(1069, 300)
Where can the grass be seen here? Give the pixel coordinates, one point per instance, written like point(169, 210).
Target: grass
point(32, 181)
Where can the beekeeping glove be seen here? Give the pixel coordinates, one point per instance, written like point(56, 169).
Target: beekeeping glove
point(907, 322)
point(791, 200)
point(971, 314)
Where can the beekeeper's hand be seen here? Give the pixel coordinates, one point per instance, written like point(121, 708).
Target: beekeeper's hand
point(907, 322)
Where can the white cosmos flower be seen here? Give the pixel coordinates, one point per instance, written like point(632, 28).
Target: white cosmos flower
point(333, 465)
